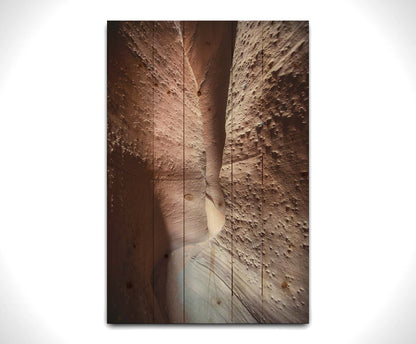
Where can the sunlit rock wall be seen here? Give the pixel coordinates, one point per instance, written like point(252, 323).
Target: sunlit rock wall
point(265, 171)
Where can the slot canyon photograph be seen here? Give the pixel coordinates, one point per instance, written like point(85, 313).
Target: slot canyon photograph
point(207, 172)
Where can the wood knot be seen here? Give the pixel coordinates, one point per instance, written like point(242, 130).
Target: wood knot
point(188, 197)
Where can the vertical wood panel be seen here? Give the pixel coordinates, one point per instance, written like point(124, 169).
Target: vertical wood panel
point(129, 159)
point(285, 210)
point(246, 175)
point(168, 170)
point(207, 260)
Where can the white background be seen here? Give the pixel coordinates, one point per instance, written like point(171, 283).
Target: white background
point(52, 171)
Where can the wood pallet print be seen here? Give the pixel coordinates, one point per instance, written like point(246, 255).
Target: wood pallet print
point(208, 172)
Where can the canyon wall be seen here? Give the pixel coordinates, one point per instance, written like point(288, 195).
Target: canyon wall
point(207, 172)
point(265, 170)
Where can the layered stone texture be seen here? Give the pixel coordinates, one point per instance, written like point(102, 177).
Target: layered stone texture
point(208, 172)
